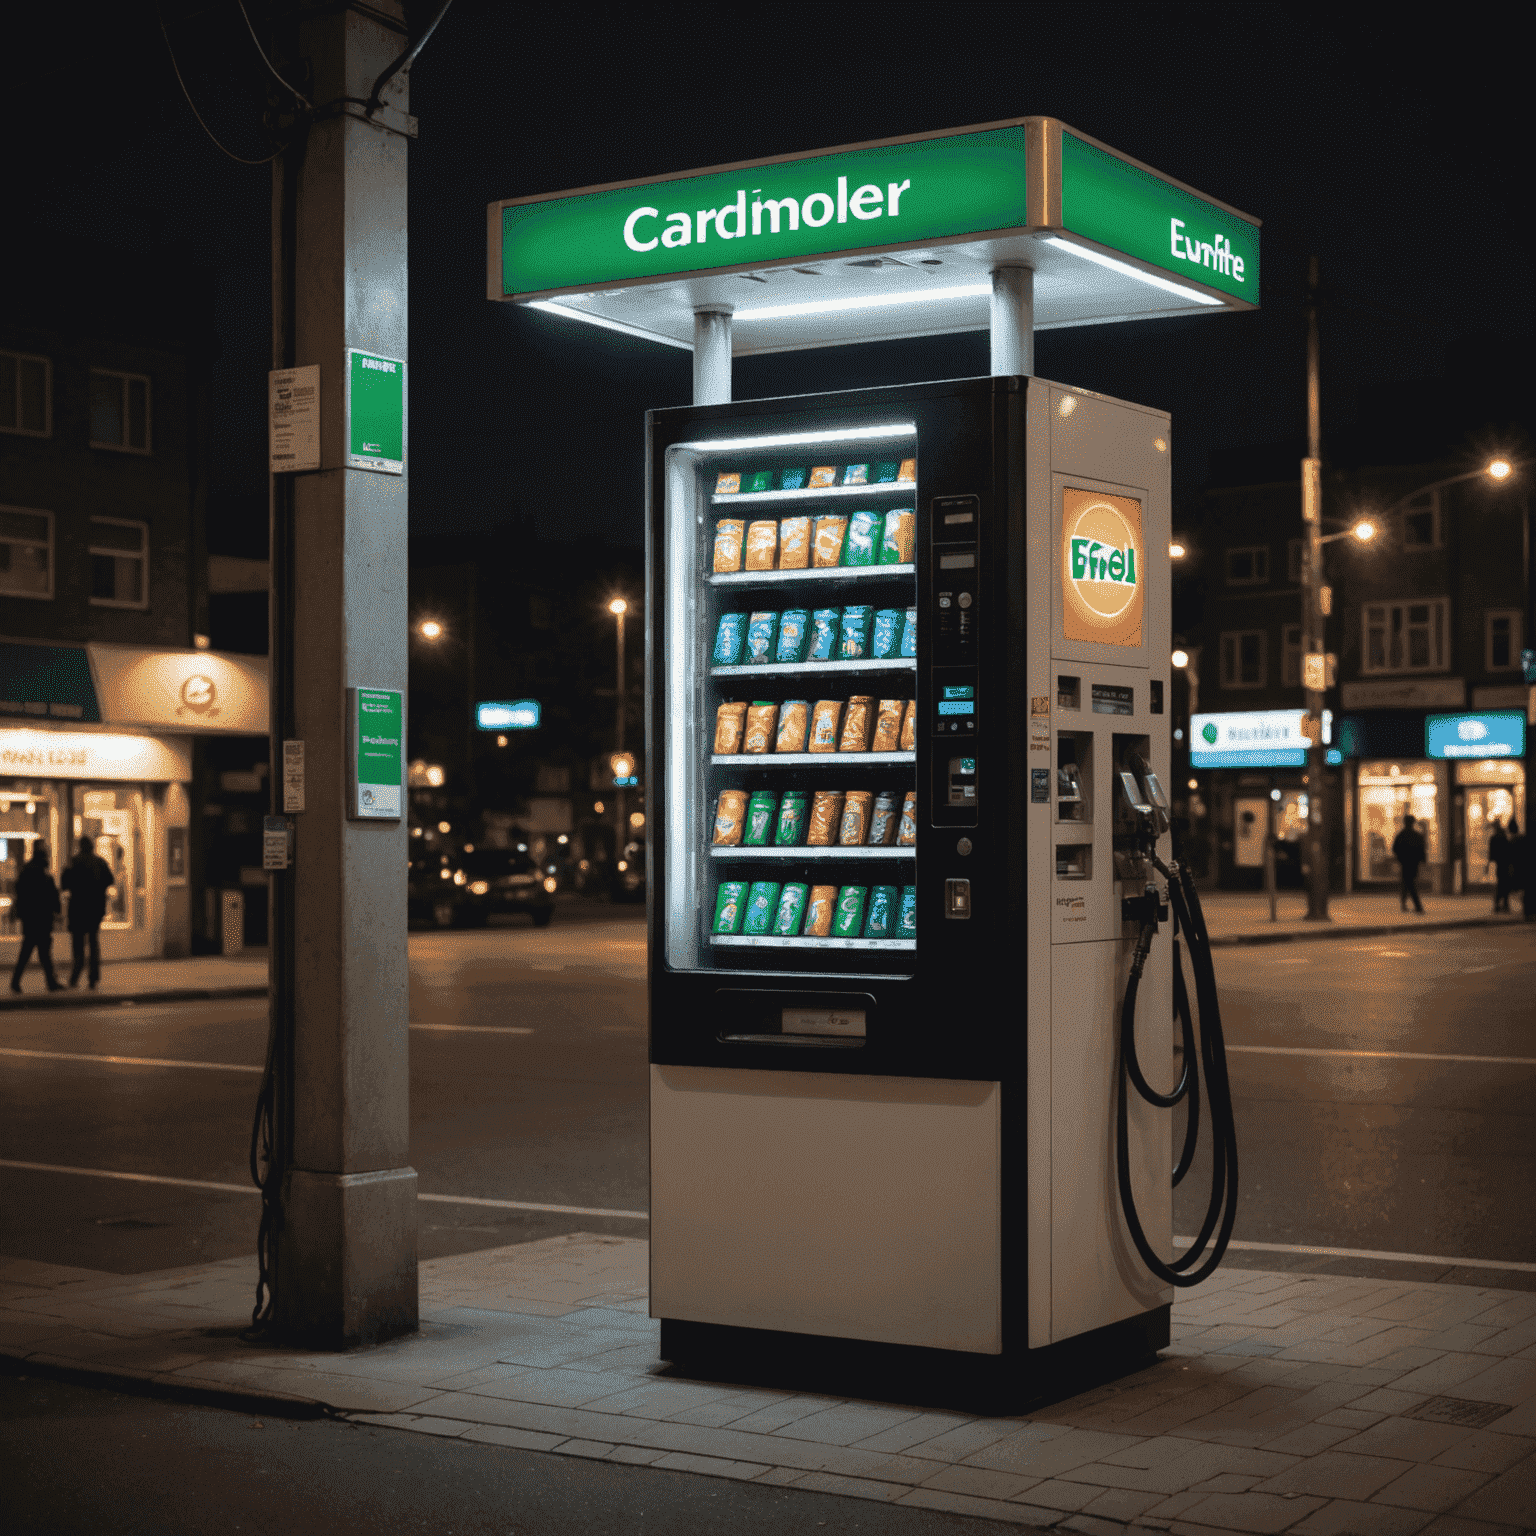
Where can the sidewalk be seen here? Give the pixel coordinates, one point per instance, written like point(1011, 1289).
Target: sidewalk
point(1242, 917)
point(1287, 1403)
point(146, 981)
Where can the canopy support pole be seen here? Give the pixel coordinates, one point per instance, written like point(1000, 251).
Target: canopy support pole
point(1013, 322)
point(712, 355)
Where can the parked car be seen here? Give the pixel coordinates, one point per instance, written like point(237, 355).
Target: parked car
point(463, 891)
point(628, 880)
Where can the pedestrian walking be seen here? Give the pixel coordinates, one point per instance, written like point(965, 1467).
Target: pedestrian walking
point(88, 879)
point(36, 904)
point(1501, 856)
point(1408, 850)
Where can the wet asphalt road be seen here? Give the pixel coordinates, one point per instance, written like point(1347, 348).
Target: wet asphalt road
point(529, 1084)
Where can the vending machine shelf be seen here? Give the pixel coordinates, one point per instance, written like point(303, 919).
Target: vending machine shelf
point(808, 759)
point(755, 941)
point(783, 668)
point(799, 851)
point(808, 573)
point(880, 488)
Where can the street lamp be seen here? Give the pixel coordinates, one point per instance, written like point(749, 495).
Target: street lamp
point(430, 629)
point(1180, 659)
point(618, 607)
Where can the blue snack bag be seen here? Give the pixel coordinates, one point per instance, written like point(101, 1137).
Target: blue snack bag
point(854, 643)
point(888, 625)
point(824, 632)
point(729, 638)
point(909, 634)
point(794, 633)
point(761, 629)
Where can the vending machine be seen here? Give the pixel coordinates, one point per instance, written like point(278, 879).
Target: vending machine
point(908, 655)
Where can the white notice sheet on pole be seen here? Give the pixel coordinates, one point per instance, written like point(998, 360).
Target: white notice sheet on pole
point(293, 419)
point(293, 777)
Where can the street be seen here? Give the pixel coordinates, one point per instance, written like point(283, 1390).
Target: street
point(1383, 1094)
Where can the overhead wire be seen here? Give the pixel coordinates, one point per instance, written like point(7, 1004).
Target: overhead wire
point(223, 149)
point(298, 95)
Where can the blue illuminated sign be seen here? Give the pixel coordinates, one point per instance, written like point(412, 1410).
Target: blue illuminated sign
point(1497, 735)
point(518, 715)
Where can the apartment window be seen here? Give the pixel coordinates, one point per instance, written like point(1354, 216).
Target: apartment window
point(26, 552)
point(1405, 637)
point(1503, 639)
point(1295, 560)
point(1248, 567)
point(1421, 521)
point(119, 563)
point(26, 394)
point(119, 411)
point(1290, 656)
point(1242, 659)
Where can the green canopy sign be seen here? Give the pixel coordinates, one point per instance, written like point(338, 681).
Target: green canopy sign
point(1024, 177)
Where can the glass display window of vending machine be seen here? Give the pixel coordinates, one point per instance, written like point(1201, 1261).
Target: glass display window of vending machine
point(790, 653)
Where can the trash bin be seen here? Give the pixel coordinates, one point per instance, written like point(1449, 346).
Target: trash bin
point(232, 922)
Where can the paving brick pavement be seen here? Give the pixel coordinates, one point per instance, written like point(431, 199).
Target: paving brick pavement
point(1319, 1405)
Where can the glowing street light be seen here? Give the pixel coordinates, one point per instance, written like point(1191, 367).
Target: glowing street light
point(430, 629)
point(618, 606)
point(1176, 551)
point(1180, 659)
point(1364, 530)
point(1500, 469)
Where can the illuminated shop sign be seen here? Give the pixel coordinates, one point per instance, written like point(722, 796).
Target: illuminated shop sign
point(1497, 735)
point(1260, 738)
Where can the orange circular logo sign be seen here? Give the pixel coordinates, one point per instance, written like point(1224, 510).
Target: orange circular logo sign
point(1103, 568)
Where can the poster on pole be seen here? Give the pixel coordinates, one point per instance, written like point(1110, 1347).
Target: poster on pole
point(376, 732)
point(293, 419)
point(375, 412)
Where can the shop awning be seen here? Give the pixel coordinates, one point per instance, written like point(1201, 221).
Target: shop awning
point(185, 692)
point(877, 241)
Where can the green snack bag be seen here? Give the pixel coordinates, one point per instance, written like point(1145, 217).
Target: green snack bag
point(761, 809)
point(761, 480)
point(792, 812)
point(906, 921)
point(848, 919)
point(762, 902)
point(863, 528)
point(791, 912)
point(730, 904)
point(885, 472)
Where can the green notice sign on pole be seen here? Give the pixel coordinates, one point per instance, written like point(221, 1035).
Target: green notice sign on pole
point(376, 732)
point(375, 412)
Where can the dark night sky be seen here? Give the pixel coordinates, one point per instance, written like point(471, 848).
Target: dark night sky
point(1398, 155)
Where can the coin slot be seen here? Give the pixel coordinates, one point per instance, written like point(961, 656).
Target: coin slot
point(1074, 861)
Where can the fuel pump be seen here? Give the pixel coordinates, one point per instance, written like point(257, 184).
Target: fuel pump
point(1143, 821)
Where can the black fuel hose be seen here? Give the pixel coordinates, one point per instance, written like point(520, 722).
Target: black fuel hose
point(1190, 920)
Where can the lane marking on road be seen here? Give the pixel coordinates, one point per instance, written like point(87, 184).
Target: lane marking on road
point(251, 1189)
point(1371, 1253)
point(128, 1061)
point(1308, 1050)
point(474, 1029)
point(529, 1205)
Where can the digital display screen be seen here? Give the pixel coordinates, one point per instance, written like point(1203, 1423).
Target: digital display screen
point(962, 691)
point(957, 562)
point(957, 707)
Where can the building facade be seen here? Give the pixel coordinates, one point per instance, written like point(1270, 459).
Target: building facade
point(1426, 624)
point(108, 685)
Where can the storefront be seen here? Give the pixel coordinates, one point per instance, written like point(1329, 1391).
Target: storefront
point(97, 741)
point(1251, 769)
point(1460, 775)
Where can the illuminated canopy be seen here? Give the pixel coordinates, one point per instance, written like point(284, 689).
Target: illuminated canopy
point(893, 238)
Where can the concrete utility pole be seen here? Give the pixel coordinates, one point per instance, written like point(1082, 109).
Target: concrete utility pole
point(341, 1226)
point(1314, 629)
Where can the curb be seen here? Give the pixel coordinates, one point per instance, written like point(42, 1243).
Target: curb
point(119, 999)
point(1358, 931)
point(272, 1404)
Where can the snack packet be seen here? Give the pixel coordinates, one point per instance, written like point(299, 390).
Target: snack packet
point(728, 535)
point(827, 549)
point(730, 722)
point(794, 543)
point(888, 725)
point(794, 725)
point(824, 725)
point(826, 818)
point(761, 724)
point(762, 544)
point(857, 721)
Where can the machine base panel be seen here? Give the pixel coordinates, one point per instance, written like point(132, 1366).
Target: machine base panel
point(1007, 1383)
